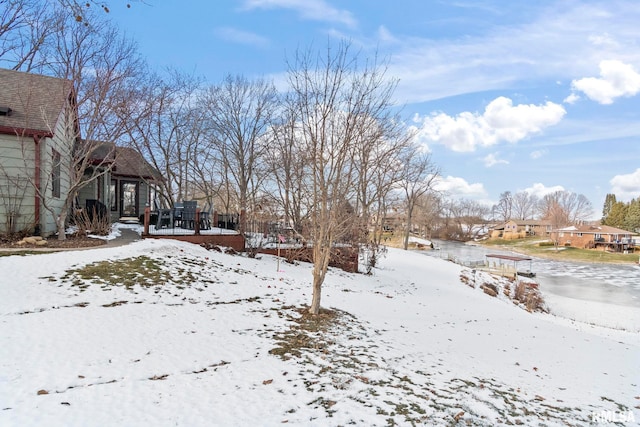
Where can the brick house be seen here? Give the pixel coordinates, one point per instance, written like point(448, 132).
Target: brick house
point(601, 237)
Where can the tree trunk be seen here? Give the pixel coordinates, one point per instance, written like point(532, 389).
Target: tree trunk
point(321, 262)
point(60, 222)
point(405, 243)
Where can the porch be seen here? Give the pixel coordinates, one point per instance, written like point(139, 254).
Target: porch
point(619, 246)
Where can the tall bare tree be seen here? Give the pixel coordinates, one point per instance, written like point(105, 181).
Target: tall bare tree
point(101, 66)
point(336, 97)
point(288, 162)
point(378, 167)
point(503, 210)
point(239, 112)
point(419, 174)
point(524, 205)
point(563, 208)
point(431, 214)
point(28, 30)
point(166, 127)
point(104, 67)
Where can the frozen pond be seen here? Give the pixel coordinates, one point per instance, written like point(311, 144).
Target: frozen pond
point(602, 283)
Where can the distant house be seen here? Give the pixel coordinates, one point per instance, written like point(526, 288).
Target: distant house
point(601, 237)
point(522, 228)
point(38, 127)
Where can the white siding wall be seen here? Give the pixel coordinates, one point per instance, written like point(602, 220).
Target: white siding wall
point(63, 144)
point(17, 165)
point(17, 169)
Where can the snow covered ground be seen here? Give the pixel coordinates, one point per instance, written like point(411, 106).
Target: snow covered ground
point(202, 338)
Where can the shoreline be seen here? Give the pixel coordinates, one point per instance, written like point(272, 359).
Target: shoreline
point(549, 256)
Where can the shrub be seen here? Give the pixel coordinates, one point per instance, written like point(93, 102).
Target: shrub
point(530, 296)
point(521, 290)
point(92, 224)
point(534, 301)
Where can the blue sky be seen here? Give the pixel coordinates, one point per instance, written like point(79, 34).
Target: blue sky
point(508, 95)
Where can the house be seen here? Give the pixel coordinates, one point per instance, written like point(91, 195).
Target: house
point(127, 187)
point(38, 131)
point(522, 228)
point(602, 237)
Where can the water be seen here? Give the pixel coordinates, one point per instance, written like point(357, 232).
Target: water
point(605, 283)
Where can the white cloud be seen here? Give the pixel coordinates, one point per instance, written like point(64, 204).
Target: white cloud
point(571, 99)
point(563, 40)
point(242, 37)
point(540, 190)
point(626, 187)
point(315, 10)
point(603, 40)
point(538, 153)
point(460, 187)
point(492, 160)
point(501, 121)
point(616, 79)
point(384, 35)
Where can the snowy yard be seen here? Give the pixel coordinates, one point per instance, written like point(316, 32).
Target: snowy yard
point(166, 333)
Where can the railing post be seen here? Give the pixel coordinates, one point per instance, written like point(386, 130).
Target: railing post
point(196, 225)
point(147, 219)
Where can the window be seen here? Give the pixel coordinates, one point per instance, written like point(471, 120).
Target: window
point(113, 199)
point(55, 174)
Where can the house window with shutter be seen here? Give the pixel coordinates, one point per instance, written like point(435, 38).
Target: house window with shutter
point(55, 174)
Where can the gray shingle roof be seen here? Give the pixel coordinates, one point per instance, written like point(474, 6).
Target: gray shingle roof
point(35, 101)
point(129, 162)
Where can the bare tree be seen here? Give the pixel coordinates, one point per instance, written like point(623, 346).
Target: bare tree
point(81, 9)
point(429, 212)
point(100, 66)
point(288, 161)
point(336, 97)
point(470, 217)
point(239, 112)
point(28, 29)
point(563, 208)
point(104, 67)
point(503, 210)
point(524, 205)
point(166, 128)
point(378, 167)
point(419, 174)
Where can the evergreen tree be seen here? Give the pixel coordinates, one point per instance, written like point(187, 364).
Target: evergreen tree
point(632, 219)
point(609, 201)
point(617, 215)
